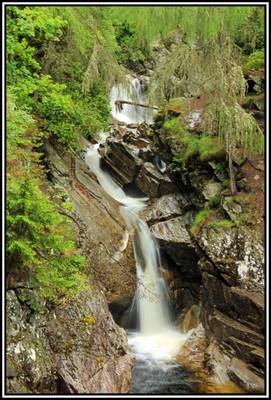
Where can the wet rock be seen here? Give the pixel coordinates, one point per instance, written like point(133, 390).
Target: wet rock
point(151, 182)
point(244, 377)
point(102, 228)
point(166, 207)
point(122, 160)
point(191, 319)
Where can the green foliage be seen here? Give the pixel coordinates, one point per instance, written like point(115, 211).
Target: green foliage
point(50, 90)
point(39, 237)
point(254, 62)
point(225, 183)
point(146, 24)
point(129, 50)
point(208, 59)
point(249, 33)
point(93, 112)
point(19, 122)
point(204, 147)
point(57, 110)
point(29, 30)
point(200, 219)
point(201, 216)
point(221, 224)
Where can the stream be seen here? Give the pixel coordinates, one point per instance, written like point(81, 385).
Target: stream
point(155, 342)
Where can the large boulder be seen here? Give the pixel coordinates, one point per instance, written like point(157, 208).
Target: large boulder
point(91, 351)
point(233, 299)
point(165, 207)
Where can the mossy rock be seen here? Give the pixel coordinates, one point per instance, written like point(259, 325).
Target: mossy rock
point(232, 207)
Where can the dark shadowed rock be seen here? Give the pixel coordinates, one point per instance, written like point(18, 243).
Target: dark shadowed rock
point(122, 160)
point(224, 327)
point(175, 240)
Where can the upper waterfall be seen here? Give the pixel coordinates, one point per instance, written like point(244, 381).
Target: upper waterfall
point(130, 113)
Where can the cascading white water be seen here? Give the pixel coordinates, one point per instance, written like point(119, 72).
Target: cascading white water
point(156, 338)
point(130, 113)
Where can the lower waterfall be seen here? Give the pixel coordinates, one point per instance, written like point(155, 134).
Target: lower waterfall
point(155, 343)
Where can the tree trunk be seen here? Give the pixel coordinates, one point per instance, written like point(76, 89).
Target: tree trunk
point(232, 176)
point(231, 170)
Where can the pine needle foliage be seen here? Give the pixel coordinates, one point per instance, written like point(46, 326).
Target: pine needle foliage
point(211, 66)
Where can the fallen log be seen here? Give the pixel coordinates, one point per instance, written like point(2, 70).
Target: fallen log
point(119, 104)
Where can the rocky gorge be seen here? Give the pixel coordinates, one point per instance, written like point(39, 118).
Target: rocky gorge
point(212, 252)
point(213, 275)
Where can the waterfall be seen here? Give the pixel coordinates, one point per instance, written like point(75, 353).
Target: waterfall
point(130, 113)
point(156, 337)
point(152, 304)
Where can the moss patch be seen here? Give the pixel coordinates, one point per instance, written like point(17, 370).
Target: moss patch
point(88, 320)
point(204, 147)
point(254, 62)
